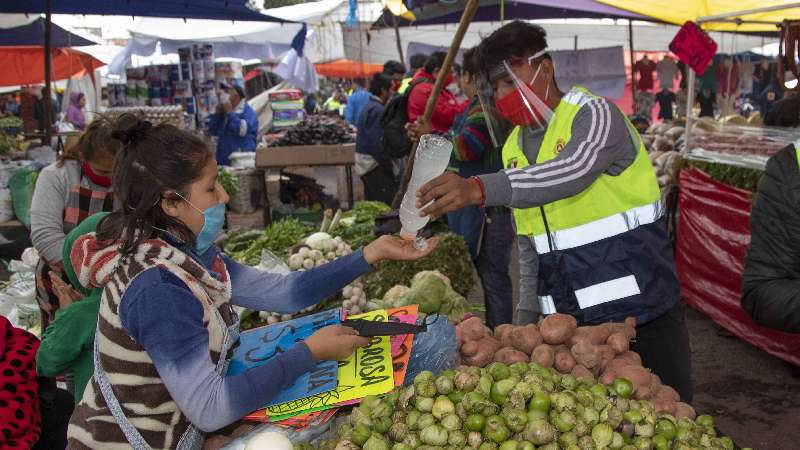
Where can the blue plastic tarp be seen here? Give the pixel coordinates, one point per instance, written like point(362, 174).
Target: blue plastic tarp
point(33, 35)
point(187, 9)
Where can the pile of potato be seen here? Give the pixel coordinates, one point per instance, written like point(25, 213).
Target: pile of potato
point(660, 141)
point(599, 352)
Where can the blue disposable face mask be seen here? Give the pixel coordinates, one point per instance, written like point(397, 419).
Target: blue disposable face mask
point(213, 221)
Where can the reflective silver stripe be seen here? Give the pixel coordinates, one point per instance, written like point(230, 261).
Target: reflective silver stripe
point(596, 294)
point(600, 229)
point(607, 291)
point(547, 305)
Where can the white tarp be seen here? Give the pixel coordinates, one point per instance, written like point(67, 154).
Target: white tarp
point(248, 40)
point(561, 35)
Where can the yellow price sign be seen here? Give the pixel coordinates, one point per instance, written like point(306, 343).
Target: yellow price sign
point(368, 371)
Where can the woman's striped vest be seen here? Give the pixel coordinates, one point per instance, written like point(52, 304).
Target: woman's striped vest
point(144, 399)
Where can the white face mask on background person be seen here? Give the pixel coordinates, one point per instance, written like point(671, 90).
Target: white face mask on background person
point(224, 97)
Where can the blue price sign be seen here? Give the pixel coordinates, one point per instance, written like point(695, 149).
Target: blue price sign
point(259, 345)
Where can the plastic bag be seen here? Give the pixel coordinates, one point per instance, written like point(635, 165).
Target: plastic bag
point(271, 263)
point(308, 434)
point(435, 350)
point(22, 184)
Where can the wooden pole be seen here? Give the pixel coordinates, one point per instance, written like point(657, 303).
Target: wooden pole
point(633, 70)
point(48, 99)
point(463, 25)
point(397, 38)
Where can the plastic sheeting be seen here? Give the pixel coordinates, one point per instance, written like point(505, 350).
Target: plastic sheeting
point(713, 235)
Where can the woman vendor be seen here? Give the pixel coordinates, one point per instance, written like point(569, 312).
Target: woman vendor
point(166, 325)
point(67, 192)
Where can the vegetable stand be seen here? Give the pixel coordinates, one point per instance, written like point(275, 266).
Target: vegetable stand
point(307, 155)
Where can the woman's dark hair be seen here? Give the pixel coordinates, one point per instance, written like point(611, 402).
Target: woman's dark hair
point(435, 61)
point(378, 83)
point(517, 38)
point(417, 60)
point(153, 160)
point(239, 91)
point(97, 139)
point(469, 63)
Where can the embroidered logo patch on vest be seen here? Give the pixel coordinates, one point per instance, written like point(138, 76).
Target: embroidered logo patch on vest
point(560, 144)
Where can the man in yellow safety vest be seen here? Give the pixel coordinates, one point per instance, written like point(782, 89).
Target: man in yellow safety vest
point(586, 204)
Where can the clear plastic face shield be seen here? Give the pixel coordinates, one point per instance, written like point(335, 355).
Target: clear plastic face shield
point(515, 94)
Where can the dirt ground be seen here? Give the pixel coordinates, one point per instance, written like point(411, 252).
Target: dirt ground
point(753, 396)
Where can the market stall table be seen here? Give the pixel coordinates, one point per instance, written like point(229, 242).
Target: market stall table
point(308, 155)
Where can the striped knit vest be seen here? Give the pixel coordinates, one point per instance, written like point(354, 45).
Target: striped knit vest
point(140, 391)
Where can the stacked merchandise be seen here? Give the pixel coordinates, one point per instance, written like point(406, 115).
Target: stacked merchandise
point(200, 94)
point(287, 108)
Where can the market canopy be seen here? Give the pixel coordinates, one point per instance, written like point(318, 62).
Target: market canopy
point(25, 65)
point(430, 12)
point(345, 68)
point(182, 9)
point(23, 32)
point(681, 11)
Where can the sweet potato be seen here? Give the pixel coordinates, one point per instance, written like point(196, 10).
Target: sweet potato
point(618, 342)
point(526, 338)
point(564, 362)
point(586, 354)
point(469, 348)
point(684, 410)
point(655, 383)
point(472, 329)
point(643, 392)
point(638, 375)
point(543, 355)
point(508, 355)
point(616, 364)
point(667, 393)
point(663, 406)
point(487, 347)
point(608, 377)
point(557, 328)
point(631, 357)
point(606, 355)
point(581, 372)
point(501, 331)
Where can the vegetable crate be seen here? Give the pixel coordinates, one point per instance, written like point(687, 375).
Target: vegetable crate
point(251, 191)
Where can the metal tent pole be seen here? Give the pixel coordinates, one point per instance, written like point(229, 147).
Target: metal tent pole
point(48, 99)
point(689, 104)
point(633, 70)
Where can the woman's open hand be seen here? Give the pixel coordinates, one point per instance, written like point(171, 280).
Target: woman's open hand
point(335, 343)
point(65, 293)
point(396, 249)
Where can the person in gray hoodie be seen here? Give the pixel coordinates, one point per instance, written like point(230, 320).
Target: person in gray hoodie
point(68, 191)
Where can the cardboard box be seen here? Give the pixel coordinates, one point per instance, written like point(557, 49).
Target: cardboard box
point(306, 155)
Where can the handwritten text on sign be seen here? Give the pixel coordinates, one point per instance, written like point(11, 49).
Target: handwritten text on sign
point(259, 345)
point(367, 372)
